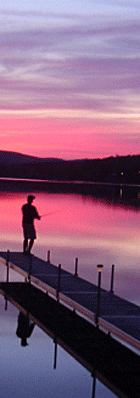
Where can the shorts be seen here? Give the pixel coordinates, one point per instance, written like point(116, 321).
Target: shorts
point(29, 231)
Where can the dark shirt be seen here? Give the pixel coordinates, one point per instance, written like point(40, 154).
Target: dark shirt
point(29, 213)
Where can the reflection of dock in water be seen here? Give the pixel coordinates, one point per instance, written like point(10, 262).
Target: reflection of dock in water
point(113, 364)
point(117, 316)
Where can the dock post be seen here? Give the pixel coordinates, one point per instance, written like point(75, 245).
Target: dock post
point(55, 353)
point(7, 265)
point(58, 283)
point(100, 267)
point(76, 267)
point(7, 277)
point(48, 256)
point(94, 385)
point(112, 279)
point(6, 303)
point(30, 268)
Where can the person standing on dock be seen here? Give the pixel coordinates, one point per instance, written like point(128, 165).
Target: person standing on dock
point(29, 214)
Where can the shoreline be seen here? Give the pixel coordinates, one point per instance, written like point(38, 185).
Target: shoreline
point(69, 182)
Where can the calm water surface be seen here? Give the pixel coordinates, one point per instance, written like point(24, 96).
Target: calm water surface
point(84, 227)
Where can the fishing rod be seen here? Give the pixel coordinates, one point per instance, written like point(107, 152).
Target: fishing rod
point(52, 212)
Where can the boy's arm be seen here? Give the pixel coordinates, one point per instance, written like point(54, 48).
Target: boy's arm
point(36, 214)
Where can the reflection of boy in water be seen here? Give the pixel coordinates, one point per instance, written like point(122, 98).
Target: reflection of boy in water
point(24, 329)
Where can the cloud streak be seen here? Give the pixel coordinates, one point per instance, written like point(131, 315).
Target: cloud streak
point(72, 66)
point(68, 59)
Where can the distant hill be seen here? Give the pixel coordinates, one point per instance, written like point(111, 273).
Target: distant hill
point(119, 169)
point(15, 157)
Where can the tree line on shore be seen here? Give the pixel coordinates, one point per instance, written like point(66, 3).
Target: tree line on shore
point(125, 169)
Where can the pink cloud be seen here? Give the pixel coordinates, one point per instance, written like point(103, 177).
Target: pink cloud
point(76, 63)
point(68, 139)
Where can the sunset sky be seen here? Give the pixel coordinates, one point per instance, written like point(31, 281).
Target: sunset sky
point(70, 78)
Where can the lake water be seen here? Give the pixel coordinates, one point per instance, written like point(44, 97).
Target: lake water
point(95, 229)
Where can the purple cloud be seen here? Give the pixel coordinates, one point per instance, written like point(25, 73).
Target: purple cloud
point(83, 63)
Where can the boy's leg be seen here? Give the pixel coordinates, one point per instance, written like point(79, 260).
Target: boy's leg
point(25, 245)
point(30, 245)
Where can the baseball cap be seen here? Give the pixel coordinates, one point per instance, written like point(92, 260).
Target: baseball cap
point(31, 197)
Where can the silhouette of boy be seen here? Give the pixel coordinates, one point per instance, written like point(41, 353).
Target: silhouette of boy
point(29, 214)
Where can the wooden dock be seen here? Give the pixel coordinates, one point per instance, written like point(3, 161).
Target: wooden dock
point(117, 316)
point(106, 359)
